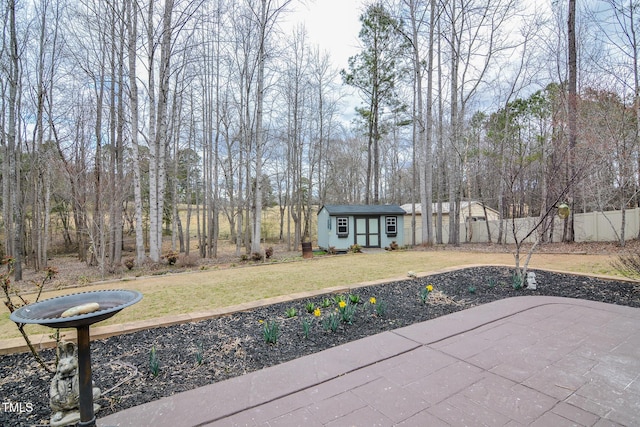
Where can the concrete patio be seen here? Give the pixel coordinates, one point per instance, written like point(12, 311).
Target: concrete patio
point(539, 361)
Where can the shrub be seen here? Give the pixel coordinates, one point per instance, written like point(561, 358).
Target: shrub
point(355, 248)
point(392, 247)
point(172, 257)
point(190, 260)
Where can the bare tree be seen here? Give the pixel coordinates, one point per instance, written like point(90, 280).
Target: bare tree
point(132, 33)
point(422, 122)
point(266, 18)
point(40, 171)
point(572, 106)
point(162, 37)
point(621, 54)
point(158, 106)
point(324, 118)
point(295, 98)
point(476, 39)
point(608, 128)
point(11, 191)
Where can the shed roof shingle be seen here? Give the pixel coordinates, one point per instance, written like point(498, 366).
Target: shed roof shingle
point(364, 209)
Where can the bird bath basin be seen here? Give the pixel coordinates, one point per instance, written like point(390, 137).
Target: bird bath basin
point(48, 313)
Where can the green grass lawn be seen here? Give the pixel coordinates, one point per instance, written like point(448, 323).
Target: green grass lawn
point(215, 288)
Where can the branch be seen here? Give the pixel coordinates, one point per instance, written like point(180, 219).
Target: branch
point(6, 281)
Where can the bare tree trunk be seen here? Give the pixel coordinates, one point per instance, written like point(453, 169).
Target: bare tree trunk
point(441, 181)
point(188, 189)
point(132, 29)
point(266, 18)
point(175, 214)
point(116, 125)
point(13, 150)
point(97, 230)
point(154, 245)
point(573, 109)
point(38, 165)
point(215, 211)
point(424, 133)
point(119, 197)
point(455, 128)
point(159, 139)
point(427, 207)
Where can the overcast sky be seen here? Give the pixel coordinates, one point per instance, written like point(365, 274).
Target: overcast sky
point(333, 25)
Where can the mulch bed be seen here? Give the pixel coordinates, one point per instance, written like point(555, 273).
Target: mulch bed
point(196, 354)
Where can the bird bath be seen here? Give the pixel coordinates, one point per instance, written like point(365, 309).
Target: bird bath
point(48, 313)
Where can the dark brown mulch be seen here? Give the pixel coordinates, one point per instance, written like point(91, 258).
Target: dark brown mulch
point(196, 354)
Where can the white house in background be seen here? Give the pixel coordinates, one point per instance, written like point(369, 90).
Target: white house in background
point(370, 226)
point(470, 212)
point(474, 210)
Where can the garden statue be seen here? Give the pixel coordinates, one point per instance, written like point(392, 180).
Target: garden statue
point(531, 280)
point(64, 392)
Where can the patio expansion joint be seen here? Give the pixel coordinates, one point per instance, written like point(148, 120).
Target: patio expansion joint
point(310, 386)
point(478, 326)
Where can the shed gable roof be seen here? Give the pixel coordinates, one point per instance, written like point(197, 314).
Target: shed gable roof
point(363, 209)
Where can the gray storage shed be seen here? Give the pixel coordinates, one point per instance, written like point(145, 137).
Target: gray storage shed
point(370, 226)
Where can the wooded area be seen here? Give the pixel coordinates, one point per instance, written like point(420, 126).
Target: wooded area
point(115, 112)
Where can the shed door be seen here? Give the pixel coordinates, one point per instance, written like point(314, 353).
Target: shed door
point(368, 231)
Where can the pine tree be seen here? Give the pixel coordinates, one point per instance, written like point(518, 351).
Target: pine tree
point(374, 72)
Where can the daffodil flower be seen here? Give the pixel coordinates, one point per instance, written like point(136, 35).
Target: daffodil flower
point(342, 304)
point(429, 287)
point(316, 312)
point(372, 300)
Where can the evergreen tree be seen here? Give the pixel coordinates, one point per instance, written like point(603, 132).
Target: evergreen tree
point(374, 72)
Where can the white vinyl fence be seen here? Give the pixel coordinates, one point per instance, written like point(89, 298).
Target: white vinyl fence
point(589, 227)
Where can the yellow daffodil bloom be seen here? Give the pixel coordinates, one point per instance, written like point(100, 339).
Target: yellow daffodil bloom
point(342, 304)
point(316, 312)
point(430, 288)
point(372, 300)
